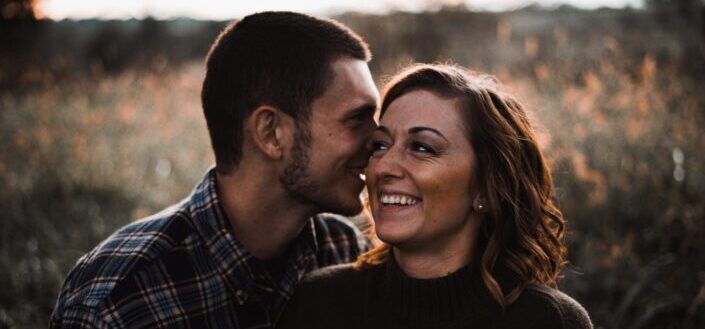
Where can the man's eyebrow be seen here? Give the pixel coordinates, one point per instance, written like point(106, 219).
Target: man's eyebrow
point(383, 129)
point(365, 109)
point(416, 130)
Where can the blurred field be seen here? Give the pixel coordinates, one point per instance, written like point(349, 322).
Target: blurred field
point(100, 124)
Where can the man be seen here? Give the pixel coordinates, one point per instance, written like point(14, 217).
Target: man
point(289, 103)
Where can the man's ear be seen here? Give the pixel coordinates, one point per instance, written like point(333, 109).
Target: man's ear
point(271, 131)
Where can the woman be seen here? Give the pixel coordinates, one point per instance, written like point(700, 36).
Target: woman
point(462, 199)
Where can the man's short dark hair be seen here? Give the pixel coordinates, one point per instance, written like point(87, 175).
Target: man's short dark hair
point(280, 59)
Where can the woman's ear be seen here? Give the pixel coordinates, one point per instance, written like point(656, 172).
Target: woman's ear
point(271, 131)
point(479, 204)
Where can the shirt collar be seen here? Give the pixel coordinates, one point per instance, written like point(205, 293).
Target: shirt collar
point(237, 265)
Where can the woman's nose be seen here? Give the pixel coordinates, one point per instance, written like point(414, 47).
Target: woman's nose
point(387, 166)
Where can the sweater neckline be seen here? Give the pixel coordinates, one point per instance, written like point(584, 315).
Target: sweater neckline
point(458, 295)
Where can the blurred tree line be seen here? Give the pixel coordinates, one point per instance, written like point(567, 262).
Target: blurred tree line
point(32, 48)
point(100, 124)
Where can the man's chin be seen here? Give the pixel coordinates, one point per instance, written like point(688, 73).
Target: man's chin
point(348, 208)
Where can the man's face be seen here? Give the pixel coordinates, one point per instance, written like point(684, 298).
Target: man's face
point(327, 162)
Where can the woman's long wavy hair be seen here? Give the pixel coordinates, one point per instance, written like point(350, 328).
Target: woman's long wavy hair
point(522, 229)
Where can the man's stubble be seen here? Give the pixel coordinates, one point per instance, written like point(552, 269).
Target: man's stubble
point(301, 184)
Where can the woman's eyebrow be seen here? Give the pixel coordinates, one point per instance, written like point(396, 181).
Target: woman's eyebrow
point(416, 130)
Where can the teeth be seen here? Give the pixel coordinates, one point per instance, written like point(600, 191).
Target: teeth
point(398, 200)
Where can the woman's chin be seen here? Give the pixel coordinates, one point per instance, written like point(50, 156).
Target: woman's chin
point(392, 238)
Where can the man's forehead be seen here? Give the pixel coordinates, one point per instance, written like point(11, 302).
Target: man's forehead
point(351, 86)
point(350, 72)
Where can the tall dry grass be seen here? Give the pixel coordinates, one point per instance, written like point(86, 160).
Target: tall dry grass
point(617, 95)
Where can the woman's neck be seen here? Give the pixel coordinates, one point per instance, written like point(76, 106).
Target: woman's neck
point(439, 259)
point(429, 265)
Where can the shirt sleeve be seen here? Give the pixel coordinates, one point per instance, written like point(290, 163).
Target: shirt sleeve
point(77, 317)
point(66, 315)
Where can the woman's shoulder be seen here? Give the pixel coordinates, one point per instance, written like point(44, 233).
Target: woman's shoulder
point(330, 273)
point(343, 275)
point(544, 305)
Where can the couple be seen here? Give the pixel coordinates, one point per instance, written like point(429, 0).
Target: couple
point(457, 186)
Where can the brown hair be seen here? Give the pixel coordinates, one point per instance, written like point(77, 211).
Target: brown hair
point(522, 229)
point(281, 59)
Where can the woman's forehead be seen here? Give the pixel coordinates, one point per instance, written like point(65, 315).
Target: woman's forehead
point(424, 107)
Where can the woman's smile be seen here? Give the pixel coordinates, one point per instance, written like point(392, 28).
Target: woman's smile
point(397, 203)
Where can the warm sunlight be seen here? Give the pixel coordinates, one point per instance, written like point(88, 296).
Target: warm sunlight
point(77, 9)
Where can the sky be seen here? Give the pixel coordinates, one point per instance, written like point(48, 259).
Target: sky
point(224, 9)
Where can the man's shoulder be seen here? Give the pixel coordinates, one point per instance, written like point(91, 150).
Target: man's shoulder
point(539, 303)
point(335, 225)
point(339, 240)
point(125, 252)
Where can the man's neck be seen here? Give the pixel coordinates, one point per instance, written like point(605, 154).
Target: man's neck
point(263, 217)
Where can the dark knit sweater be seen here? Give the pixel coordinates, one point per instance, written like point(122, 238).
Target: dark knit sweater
point(384, 297)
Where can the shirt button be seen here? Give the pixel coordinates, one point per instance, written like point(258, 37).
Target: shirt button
point(241, 296)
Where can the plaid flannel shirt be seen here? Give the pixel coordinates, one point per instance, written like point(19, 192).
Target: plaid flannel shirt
point(183, 268)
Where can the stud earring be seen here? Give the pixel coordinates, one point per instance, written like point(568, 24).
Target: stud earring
point(480, 205)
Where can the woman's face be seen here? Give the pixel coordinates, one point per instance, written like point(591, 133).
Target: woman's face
point(421, 175)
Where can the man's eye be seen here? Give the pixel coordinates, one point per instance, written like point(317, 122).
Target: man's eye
point(357, 119)
point(376, 146)
point(361, 118)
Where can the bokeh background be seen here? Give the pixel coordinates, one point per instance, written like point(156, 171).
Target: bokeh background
point(100, 124)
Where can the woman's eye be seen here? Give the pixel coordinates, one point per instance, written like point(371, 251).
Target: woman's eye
point(421, 147)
